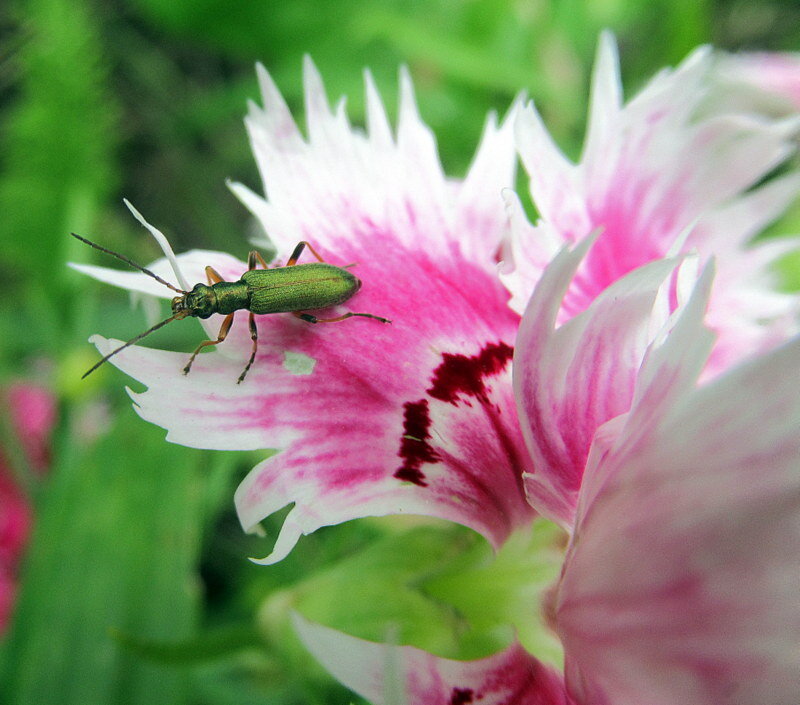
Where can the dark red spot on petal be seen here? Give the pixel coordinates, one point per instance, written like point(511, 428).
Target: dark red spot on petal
point(414, 446)
point(459, 374)
point(461, 696)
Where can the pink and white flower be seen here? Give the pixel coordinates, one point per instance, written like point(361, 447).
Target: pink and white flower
point(658, 450)
point(656, 179)
point(370, 419)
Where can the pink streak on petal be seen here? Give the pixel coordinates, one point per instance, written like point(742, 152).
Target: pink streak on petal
point(681, 581)
point(417, 416)
point(382, 674)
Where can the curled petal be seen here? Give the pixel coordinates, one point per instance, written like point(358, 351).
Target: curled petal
point(570, 380)
point(163, 243)
point(393, 675)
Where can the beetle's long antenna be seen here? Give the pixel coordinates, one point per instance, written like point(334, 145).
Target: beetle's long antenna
point(130, 342)
point(128, 261)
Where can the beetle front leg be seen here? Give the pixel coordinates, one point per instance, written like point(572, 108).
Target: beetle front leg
point(313, 319)
point(213, 276)
point(253, 258)
point(254, 337)
point(223, 333)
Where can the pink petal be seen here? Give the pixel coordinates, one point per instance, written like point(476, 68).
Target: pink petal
point(571, 380)
point(681, 582)
point(384, 674)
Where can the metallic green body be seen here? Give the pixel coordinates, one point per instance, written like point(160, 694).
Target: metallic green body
point(297, 288)
point(279, 290)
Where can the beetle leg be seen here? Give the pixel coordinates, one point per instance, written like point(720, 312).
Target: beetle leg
point(223, 332)
point(213, 276)
point(313, 319)
point(255, 258)
point(254, 337)
point(299, 250)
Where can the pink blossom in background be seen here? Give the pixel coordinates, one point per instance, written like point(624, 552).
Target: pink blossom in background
point(15, 522)
point(771, 79)
point(32, 413)
point(33, 416)
point(651, 409)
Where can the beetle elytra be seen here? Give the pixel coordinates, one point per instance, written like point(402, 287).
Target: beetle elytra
point(293, 288)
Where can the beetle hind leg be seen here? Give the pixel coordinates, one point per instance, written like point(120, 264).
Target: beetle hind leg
point(313, 319)
point(254, 337)
point(299, 250)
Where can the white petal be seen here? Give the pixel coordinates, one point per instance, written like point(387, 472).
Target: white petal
point(682, 581)
point(388, 675)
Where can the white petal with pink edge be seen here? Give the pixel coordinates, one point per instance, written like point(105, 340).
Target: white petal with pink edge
point(682, 578)
point(192, 264)
point(403, 675)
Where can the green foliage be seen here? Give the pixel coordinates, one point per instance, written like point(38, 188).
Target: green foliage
point(115, 548)
point(58, 140)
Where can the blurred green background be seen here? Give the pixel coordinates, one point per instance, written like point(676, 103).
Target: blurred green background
point(136, 586)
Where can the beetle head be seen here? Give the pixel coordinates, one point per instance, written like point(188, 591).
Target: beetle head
point(200, 302)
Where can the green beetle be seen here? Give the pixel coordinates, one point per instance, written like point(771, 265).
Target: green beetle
point(293, 288)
